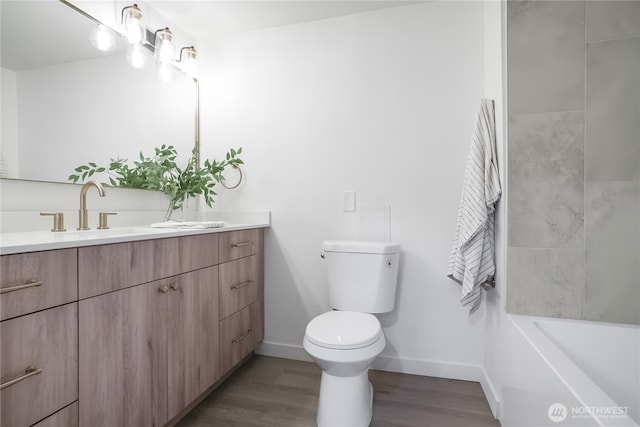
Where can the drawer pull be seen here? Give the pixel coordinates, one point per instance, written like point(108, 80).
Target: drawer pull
point(29, 372)
point(239, 245)
point(240, 338)
point(30, 284)
point(175, 286)
point(241, 285)
point(163, 289)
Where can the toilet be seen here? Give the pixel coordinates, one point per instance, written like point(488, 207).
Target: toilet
point(362, 278)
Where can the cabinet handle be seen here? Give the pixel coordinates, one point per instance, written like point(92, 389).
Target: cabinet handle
point(240, 338)
point(29, 372)
point(239, 245)
point(175, 286)
point(164, 289)
point(29, 284)
point(241, 285)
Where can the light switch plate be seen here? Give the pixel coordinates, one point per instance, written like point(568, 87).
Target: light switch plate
point(348, 201)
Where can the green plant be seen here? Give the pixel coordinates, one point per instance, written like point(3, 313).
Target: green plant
point(161, 173)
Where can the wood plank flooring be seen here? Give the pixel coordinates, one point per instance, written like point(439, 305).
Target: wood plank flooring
point(272, 392)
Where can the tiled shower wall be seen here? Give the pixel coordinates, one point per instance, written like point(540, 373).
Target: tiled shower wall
point(574, 159)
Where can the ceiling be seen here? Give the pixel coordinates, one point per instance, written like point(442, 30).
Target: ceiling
point(206, 19)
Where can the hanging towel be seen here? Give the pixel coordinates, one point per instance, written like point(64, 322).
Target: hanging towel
point(472, 254)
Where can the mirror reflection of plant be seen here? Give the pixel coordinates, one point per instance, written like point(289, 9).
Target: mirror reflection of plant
point(162, 173)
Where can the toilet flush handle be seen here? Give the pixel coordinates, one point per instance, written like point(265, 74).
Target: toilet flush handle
point(322, 255)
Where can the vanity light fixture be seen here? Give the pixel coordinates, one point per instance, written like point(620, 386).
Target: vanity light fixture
point(102, 38)
point(164, 45)
point(188, 56)
point(132, 24)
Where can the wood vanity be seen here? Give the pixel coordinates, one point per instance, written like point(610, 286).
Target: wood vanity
point(126, 334)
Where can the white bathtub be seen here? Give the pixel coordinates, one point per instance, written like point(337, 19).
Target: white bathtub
point(570, 373)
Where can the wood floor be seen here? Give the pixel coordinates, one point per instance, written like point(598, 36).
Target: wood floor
point(272, 392)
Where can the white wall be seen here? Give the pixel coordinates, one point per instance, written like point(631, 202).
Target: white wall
point(382, 103)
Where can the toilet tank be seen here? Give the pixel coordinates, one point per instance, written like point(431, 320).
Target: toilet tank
point(361, 275)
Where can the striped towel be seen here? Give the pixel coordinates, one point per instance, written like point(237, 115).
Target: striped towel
point(472, 255)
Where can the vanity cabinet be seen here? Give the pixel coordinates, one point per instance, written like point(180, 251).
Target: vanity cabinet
point(150, 323)
point(38, 337)
point(126, 334)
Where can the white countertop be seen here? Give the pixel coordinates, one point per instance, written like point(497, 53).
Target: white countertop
point(31, 241)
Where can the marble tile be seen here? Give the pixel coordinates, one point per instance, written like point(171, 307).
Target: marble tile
point(546, 181)
point(608, 20)
point(545, 56)
point(612, 279)
point(545, 282)
point(613, 111)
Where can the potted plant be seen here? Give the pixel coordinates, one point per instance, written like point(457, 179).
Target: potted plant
point(161, 173)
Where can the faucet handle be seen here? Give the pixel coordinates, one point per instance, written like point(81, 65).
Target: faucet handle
point(102, 220)
point(58, 220)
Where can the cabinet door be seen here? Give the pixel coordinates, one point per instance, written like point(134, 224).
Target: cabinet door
point(46, 341)
point(123, 361)
point(192, 324)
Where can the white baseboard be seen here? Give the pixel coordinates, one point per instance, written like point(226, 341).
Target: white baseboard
point(430, 368)
point(493, 398)
point(284, 351)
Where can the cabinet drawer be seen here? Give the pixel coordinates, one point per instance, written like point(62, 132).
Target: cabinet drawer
point(238, 285)
point(46, 340)
point(239, 244)
point(65, 417)
point(197, 252)
point(236, 338)
point(107, 268)
point(50, 278)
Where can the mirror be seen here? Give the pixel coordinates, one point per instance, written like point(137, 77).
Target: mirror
point(66, 103)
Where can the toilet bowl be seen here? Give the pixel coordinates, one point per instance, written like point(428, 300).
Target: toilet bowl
point(361, 278)
point(344, 344)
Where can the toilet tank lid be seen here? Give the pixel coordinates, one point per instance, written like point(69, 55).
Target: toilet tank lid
point(360, 246)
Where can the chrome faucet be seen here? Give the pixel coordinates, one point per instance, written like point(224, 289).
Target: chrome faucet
point(83, 223)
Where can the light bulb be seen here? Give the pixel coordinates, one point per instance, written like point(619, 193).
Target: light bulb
point(132, 24)
point(188, 56)
point(136, 56)
point(102, 38)
point(164, 45)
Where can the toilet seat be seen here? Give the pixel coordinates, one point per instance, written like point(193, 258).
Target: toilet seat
point(344, 330)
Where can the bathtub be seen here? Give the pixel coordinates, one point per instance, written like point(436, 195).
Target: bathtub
point(570, 373)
